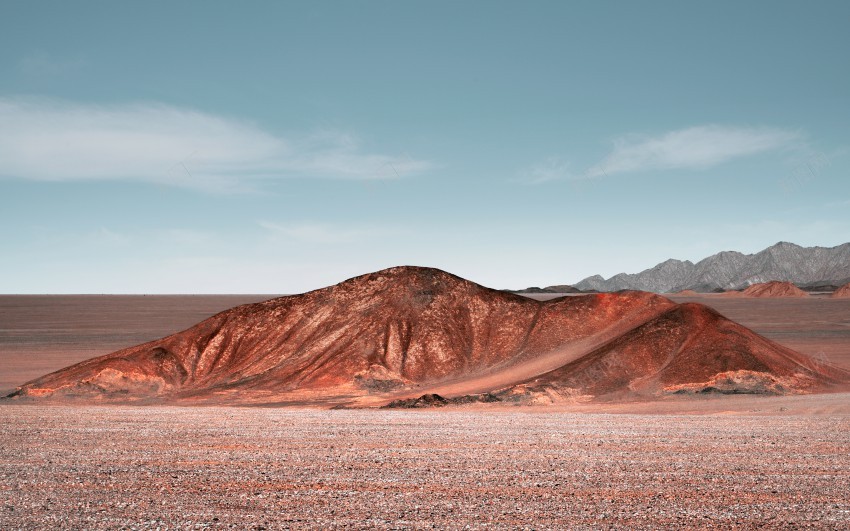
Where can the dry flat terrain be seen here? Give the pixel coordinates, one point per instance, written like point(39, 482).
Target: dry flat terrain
point(706, 462)
point(190, 468)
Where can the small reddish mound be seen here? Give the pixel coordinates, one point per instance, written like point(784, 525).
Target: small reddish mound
point(843, 292)
point(774, 288)
point(689, 348)
point(686, 293)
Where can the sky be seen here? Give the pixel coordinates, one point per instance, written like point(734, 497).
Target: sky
point(279, 147)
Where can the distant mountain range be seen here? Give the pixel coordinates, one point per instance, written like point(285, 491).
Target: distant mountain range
point(731, 270)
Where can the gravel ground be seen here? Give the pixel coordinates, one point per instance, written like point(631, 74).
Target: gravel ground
point(74, 467)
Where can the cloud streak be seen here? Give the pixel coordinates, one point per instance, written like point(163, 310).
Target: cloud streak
point(694, 148)
point(551, 169)
point(51, 140)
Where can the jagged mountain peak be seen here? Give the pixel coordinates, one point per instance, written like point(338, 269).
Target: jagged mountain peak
point(784, 261)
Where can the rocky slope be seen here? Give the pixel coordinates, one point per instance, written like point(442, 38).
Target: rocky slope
point(731, 270)
point(690, 348)
point(390, 334)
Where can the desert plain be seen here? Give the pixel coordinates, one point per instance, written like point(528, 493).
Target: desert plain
point(721, 462)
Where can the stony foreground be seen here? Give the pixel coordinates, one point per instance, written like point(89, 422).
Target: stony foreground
point(190, 468)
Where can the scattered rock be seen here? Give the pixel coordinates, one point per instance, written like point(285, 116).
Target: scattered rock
point(427, 400)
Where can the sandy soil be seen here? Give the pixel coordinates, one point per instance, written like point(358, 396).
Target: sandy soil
point(195, 468)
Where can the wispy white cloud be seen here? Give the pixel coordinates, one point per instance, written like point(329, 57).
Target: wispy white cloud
point(60, 141)
point(694, 148)
point(551, 169)
point(325, 233)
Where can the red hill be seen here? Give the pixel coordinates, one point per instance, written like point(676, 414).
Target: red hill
point(392, 333)
point(686, 293)
point(774, 288)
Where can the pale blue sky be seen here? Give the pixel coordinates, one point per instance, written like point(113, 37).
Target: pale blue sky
point(271, 147)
